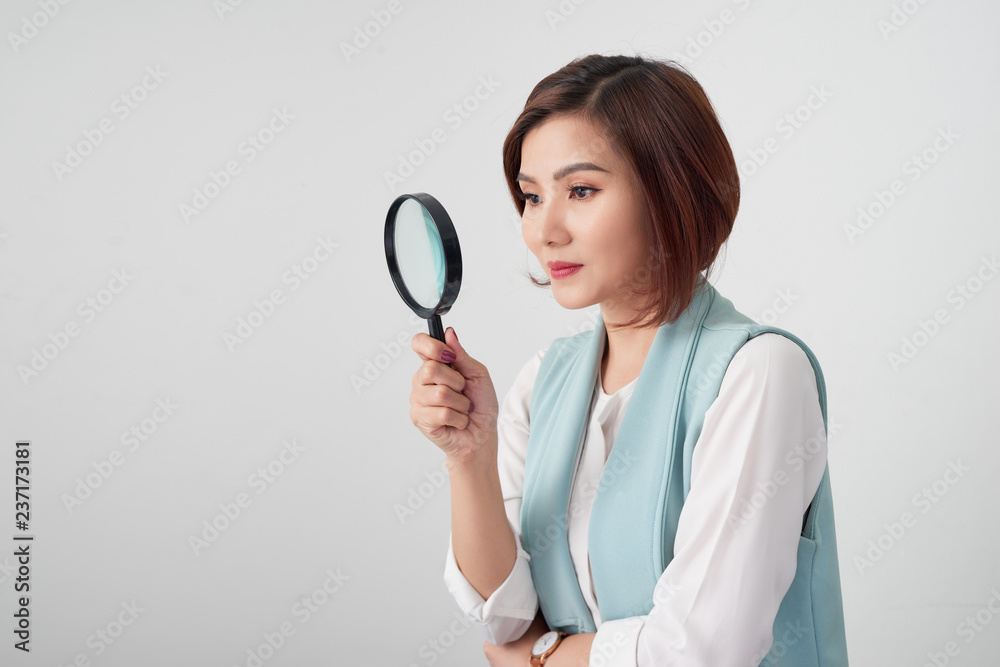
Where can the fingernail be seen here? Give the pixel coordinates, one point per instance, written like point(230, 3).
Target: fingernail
point(448, 356)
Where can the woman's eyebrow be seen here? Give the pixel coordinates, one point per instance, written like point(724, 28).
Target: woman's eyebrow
point(565, 171)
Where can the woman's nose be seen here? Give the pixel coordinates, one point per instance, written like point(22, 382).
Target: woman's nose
point(551, 224)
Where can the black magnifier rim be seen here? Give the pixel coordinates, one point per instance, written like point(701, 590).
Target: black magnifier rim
point(452, 254)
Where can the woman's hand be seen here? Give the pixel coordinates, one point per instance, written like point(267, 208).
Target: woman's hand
point(518, 652)
point(455, 407)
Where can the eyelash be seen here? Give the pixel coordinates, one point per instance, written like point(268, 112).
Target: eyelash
point(527, 202)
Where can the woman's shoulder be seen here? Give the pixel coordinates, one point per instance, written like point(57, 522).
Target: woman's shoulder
point(772, 358)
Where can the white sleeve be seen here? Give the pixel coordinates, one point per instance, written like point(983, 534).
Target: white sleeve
point(509, 611)
point(735, 550)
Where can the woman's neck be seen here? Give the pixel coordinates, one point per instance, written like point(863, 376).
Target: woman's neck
point(625, 352)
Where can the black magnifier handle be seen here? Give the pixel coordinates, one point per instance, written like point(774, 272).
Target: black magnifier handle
point(436, 329)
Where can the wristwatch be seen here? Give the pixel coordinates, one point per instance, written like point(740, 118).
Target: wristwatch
point(545, 645)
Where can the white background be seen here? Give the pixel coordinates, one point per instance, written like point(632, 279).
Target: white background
point(853, 297)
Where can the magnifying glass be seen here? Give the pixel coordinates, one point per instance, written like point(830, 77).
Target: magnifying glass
point(425, 261)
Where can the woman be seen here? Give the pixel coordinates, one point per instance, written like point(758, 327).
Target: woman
point(694, 527)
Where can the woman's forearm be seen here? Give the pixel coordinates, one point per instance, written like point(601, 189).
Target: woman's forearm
point(482, 540)
point(574, 651)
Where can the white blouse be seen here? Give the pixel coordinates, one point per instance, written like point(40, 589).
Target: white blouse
point(736, 544)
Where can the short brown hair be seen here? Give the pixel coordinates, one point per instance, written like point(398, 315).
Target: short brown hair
point(660, 121)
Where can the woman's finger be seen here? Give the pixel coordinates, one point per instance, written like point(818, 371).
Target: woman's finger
point(430, 348)
point(433, 373)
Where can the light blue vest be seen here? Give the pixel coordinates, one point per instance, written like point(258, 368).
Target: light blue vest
point(647, 478)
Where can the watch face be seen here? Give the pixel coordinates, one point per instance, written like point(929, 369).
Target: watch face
point(545, 642)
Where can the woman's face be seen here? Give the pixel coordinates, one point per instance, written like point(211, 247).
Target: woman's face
point(583, 206)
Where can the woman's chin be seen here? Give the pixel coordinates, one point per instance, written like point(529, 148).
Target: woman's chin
point(570, 299)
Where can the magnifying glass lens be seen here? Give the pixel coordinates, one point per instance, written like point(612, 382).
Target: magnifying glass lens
point(419, 253)
point(424, 259)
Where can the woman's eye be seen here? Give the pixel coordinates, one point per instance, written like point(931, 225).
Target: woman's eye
point(575, 191)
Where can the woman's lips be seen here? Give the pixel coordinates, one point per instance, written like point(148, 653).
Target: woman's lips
point(566, 271)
